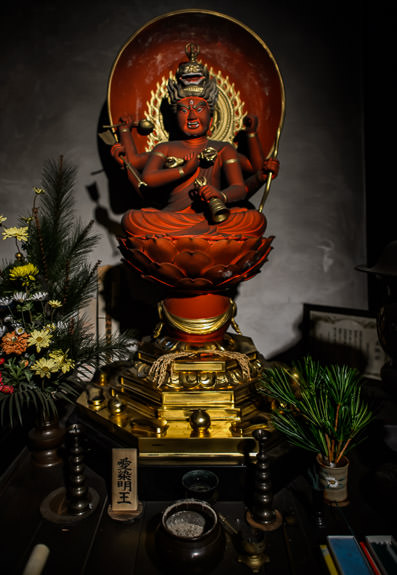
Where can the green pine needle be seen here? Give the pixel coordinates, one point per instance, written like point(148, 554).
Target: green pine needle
point(317, 408)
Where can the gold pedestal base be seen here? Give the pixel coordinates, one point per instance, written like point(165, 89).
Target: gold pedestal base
point(178, 401)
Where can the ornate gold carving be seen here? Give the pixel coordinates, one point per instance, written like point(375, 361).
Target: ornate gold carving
point(199, 182)
point(229, 111)
point(209, 155)
point(201, 325)
point(157, 418)
point(172, 162)
point(159, 371)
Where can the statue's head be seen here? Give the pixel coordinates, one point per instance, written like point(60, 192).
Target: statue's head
point(193, 116)
point(192, 80)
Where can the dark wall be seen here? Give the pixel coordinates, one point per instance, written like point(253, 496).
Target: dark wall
point(380, 129)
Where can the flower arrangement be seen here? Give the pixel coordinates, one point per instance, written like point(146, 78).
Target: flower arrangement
point(318, 408)
point(46, 347)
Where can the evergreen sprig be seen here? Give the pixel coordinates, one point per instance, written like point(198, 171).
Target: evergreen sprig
point(318, 408)
point(47, 347)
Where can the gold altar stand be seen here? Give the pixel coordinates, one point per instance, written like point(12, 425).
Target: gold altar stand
point(178, 401)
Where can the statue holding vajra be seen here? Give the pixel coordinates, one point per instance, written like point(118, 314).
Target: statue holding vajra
point(201, 184)
point(196, 232)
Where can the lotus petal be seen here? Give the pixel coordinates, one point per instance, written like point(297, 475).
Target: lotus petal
point(219, 273)
point(192, 262)
point(140, 258)
point(157, 280)
point(160, 249)
point(197, 263)
point(190, 243)
point(224, 251)
point(247, 260)
point(195, 284)
point(168, 271)
point(252, 243)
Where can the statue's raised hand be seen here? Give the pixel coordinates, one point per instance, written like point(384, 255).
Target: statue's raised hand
point(191, 163)
point(250, 123)
point(118, 153)
point(127, 121)
point(271, 165)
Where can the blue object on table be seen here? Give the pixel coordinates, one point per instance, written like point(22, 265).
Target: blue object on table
point(347, 555)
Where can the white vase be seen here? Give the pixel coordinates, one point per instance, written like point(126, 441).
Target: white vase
point(333, 480)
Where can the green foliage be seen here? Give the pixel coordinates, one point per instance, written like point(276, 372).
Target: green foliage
point(318, 408)
point(59, 244)
point(47, 347)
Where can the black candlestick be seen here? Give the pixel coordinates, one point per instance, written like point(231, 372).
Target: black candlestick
point(262, 514)
point(78, 498)
point(74, 501)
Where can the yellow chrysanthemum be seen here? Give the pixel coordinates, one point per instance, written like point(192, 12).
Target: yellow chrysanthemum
point(55, 303)
point(26, 273)
point(20, 234)
point(39, 338)
point(44, 367)
point(38, 190)
point(2, 219)
point(64, 363)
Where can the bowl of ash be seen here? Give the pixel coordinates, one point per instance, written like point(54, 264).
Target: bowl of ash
point(189, 537)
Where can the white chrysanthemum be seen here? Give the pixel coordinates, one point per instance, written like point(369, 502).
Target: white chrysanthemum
point(19, 296)
point(39, 296)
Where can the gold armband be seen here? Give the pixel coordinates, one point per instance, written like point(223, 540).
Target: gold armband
point(159, 154)
point(231, 161)
point(181, 172)
point(224, 196)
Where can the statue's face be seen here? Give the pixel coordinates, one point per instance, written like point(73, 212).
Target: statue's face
point(193, 116)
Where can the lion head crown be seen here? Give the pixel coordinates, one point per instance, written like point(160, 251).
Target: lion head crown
point(192, 79)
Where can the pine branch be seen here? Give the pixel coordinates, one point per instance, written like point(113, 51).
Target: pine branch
point(320, 408)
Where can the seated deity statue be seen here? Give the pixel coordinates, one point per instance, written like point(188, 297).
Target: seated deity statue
point(193, 185)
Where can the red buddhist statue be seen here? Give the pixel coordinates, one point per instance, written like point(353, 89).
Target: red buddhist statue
point(204, 236)
point(197, 139)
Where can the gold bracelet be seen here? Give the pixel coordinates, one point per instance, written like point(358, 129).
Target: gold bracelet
point(224, 197)
point(181, 172)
